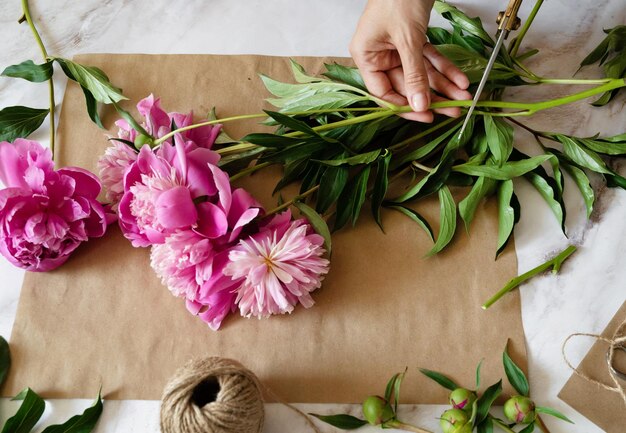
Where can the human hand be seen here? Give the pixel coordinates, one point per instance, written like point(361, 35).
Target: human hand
point(397, 63)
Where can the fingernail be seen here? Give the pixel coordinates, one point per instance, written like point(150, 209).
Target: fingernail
point(419, 102)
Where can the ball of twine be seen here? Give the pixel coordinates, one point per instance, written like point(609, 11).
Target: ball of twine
point(212, 395)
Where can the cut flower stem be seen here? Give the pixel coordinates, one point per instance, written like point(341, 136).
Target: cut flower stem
point(554, 263)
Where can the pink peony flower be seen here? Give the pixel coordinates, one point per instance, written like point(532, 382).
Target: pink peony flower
point(179, 188)
point(278, 267)
point(45, 214)
point(112, 166)
point(158, 123)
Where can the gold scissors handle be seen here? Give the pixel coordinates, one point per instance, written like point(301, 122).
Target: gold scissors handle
point(508, 20)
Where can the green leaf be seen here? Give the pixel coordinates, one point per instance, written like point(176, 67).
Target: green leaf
point(607, 146)
point(582, 156)
point(530, 428)
point(92, 79)
point(318, 101)
point(27, 415)
point(499, 138)
point(300, 74)
point(390, 386)
point(547, 192)
point(442, 380)
point(83, 423)
point(351, 199)
point(20, 122)
point(447, 219)
point(363, 158)
point(508, 214)
point(582, 182)
point(507, 171)
point(471, 26)
point(485, 401)
point(396, 390)
point(381, 183)
point(483, 187)
point(92, 108)
point(317, 222)
point(131, 120)
point(5, 360)
point(553, 412)
point(486, 426)
point(271, 140)
point(438, 36)
point(478, 374)
point(415, 216)
point(332, 182)
point(426, 149)
point(344, 74)
point(344, 422)
point(516, 376)
point(473, 64)
point(291, 123)
point(30, 71)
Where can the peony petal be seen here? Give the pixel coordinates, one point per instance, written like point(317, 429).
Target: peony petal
point(212, 221)
point(87, 184)
point(175, 208)
point(222, 183)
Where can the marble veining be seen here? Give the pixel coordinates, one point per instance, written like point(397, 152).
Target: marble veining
point(583, 297)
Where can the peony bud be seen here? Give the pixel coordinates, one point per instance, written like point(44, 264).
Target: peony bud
point(462, 398)
point(377, 410)
point(142, 139)
point(520, 409)
point(455, 421)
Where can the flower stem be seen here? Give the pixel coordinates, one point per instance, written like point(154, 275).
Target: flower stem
point(29, 19)
point(292, 201)
point(502, 426)
point(555, 263)
point(544, 428)
point(518, 41)
point(404, 426)
point(249, 170)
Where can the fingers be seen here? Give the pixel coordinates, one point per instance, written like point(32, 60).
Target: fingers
point(448, 69)
point(443, 85)
point(379, 85)
point(416, 84)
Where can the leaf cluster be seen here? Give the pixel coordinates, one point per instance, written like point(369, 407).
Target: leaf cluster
point(611, 55)
point(333, 137)
point(33, 406)
point(20, 121)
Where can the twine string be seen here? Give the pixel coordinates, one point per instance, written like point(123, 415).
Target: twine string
point(617, 340)
point(236, 405)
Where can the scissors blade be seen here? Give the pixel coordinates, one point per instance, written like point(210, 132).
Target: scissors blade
point(483, 80)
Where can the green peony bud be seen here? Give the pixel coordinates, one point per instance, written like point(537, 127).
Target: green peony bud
point(455, 421)
point(142, 139)
point(377, 410)
point(520, 409)
point(462, 398)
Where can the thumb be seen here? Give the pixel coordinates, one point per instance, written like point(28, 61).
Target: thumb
point(416, 83)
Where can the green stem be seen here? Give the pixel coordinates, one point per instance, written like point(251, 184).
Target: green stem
point(422, 134)
point(525, 27)
point(44, 53)
point(422, 167)
point(292, 201)
point(249, 170)
point(502, 426)
point(404, 426)
point(572, 81)
point(554, 263)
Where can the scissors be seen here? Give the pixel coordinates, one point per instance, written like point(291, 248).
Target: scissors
point(507, 21)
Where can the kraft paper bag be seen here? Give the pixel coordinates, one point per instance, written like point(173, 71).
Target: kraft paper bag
point(104, 318)
point(604, 408)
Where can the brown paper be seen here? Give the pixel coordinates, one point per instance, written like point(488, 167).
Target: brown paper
point(604, 408)
point(104, 318)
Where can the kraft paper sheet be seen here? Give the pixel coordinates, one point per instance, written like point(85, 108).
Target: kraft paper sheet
point(604, 408)
point(104, 318)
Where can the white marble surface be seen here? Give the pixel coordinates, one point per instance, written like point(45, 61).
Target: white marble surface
point(583, 297)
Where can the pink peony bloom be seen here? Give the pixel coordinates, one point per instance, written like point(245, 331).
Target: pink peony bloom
point(278, 267)
point(158, 123)
point(45, 214)
point(179, 188)
point(112, 166)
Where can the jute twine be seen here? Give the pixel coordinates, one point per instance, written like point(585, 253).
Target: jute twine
point(216, 395)
point(617, 340)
